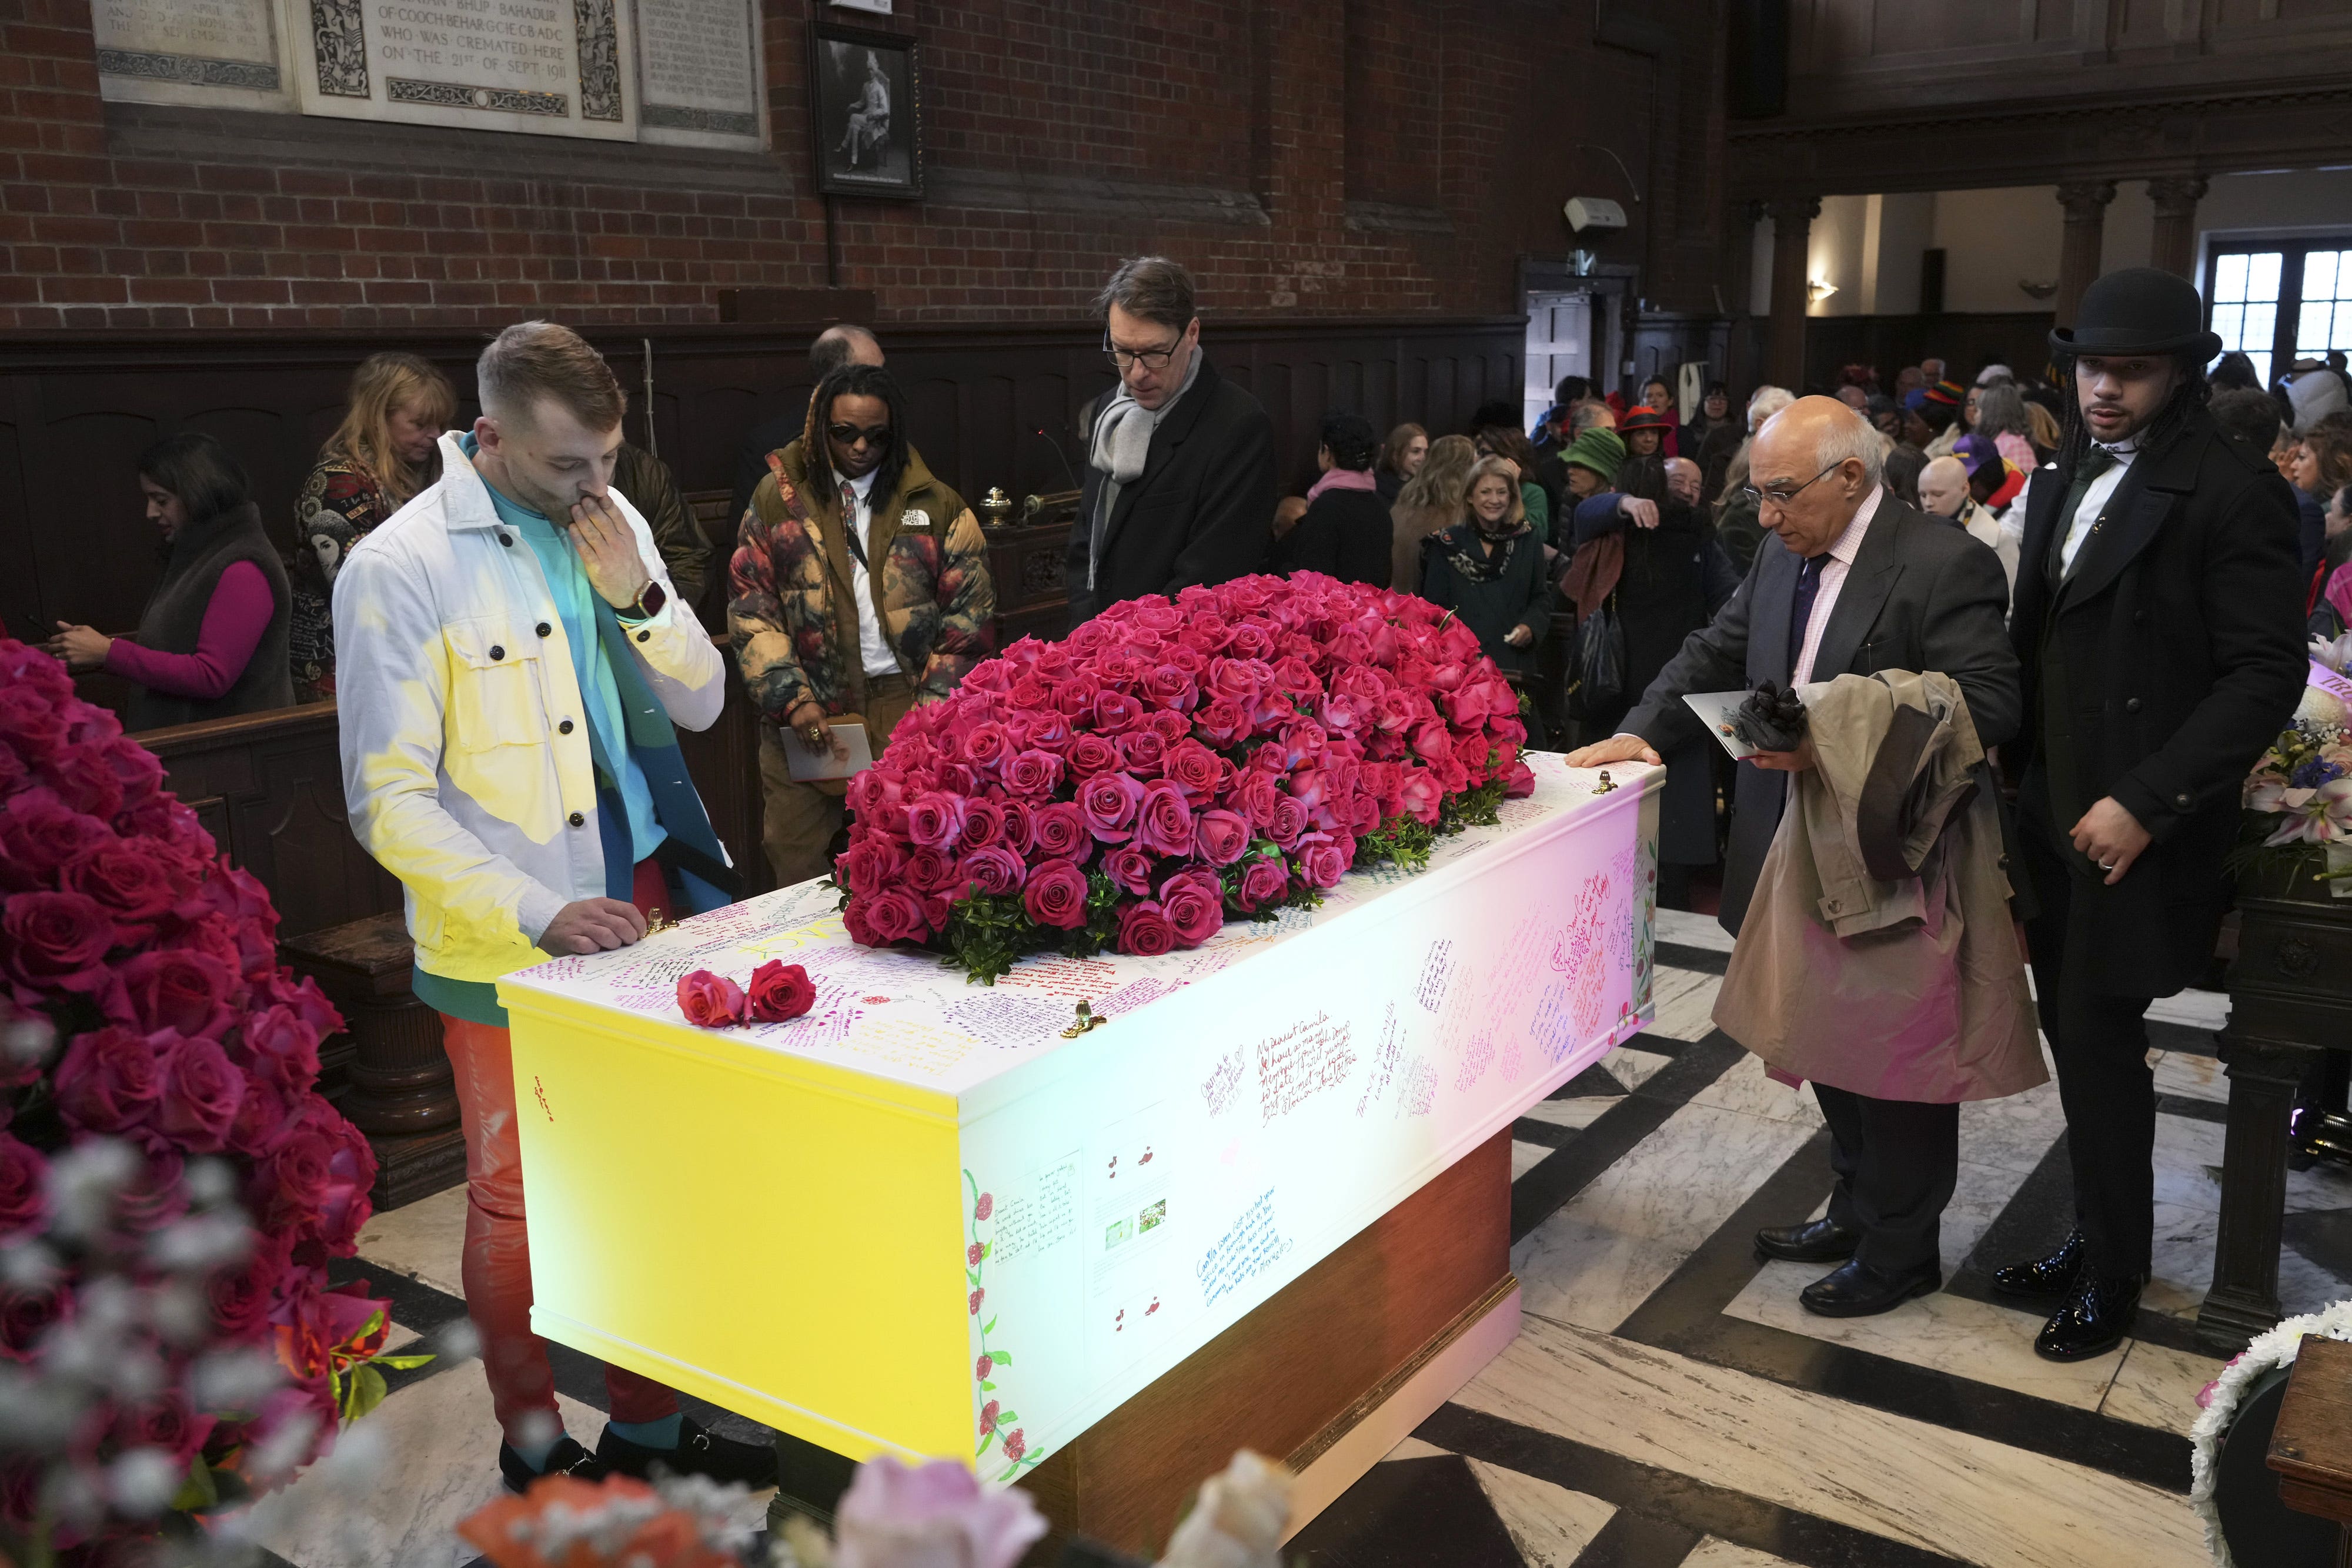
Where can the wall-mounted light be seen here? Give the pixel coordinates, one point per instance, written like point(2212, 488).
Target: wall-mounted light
point(2037, 290)
point(1819, 290)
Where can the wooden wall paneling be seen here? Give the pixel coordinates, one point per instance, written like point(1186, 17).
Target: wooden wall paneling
point(20, 598)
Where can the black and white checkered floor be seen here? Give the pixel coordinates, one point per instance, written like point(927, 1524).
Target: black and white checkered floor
point(1667, 1402)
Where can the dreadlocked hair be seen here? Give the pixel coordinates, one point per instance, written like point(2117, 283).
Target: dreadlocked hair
point(856, 380)
point(2171, 417)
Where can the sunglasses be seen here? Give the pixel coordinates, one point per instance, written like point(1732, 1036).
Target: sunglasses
point(851, 435)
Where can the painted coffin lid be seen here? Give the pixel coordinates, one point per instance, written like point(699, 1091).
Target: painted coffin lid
point(903, 1017)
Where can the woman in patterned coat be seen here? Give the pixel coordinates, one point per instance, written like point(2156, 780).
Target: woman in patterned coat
point(821, 638)
point(382, 453)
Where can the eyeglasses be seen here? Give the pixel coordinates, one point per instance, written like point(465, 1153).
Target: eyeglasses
point(850, 435)
point(1150, 358)
point(1780, 498)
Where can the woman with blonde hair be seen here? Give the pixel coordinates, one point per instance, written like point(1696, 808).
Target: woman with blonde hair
point(1430, 503)
point(383, 453)
point(1488, 569)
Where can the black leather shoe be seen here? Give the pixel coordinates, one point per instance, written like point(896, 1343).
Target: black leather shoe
point(566, 1459)
point(1855, 1289)
point(2040, 1279)
point(2094, 1321)
point(1813, 1241)
point(698, 1453)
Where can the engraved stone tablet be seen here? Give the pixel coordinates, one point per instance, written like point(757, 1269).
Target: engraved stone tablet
point(699, 70)
point(558, 67)
point(189, 51)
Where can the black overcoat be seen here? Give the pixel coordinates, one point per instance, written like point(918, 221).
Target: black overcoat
point(1200, 511)
point(2157, 672)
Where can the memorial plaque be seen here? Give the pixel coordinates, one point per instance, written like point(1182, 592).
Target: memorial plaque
point(557, 68)
point(189, 51)
point(699, 73)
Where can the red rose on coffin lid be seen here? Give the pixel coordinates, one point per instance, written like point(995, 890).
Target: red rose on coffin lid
point(779, 991)
point(1057, 896)
point(709, 1000)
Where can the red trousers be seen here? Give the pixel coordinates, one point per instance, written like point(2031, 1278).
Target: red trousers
point(498, 1240)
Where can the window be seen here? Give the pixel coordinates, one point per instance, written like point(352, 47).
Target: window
point(2278, 303)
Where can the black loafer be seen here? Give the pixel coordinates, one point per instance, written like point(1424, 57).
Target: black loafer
point(566, 1459)
point(2041, 1278)
point(700, 1452)
point(1855, 1289)
point(2095, 1319)
point(1813, 1241)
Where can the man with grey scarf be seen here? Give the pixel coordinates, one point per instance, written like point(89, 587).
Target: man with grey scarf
point(1180, 482)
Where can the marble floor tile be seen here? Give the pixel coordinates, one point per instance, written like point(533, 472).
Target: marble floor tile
point(2013, 1133)
point(1978, 1195)
point(1413, 1448)
point(1686, 929)
point(1683, 1004)
point(2158, 1388)
point(1607, 1249)
point(2189, 1075)
point(1974, 1339)
point(1549, 1525)
point(2324, 1186)
point(1747, 1088)
point(1945, 1491)
point(2188, 1162)
point(1524, 1156)
point(1578, 1112)
point(2197, 1009)
point(399, 1482)
point(1632, 1067)
point(1717, 1552)
point(2184, 1266)
point(425, 1240)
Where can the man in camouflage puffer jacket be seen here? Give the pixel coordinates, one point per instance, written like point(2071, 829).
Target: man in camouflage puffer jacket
point(817, 635)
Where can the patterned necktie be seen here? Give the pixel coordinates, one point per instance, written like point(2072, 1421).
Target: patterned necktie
point(1800, 616)
point(2096, 460)
point(849, 530)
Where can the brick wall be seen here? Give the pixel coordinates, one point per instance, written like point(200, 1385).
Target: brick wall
point(1363, 157)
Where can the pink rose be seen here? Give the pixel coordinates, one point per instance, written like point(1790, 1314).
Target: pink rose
point(1130, 869)
point(985, 746)
point(1321, 861)
point(935, 819)
point(261, 1117)
point(1520, 781)
point(928, 871)
point(1092, 754)
point(166, 1424)
point(1222, 836)
point(1223, 721)
point(779, 992)
point(1020, 831)
point(1032, 773)
point(1255, 795)
point(1142, 751)
point(55, 941)
point(1418, 795)
point(871, 863)
point(994, 870)
point(1060, 832)
point(934, 1513)
point(202, 1091)
point(1169, 726)
point(894, 914)
point(26, 1311)
point(1056, 894)
point(1144, 928)
point(1294, 678)
point(1194, 768)
point(1195, 905)
point(1109, 803)
point(23, 1188)
point(1115, 712)
point(108, 1081)
point(1164, 824)
point(241, 1294)
point(134, 884)
point(1472, 752)
point(158, 1195)
point(1170, 686)
point(1289, 820)
point(282, 1047)
point(182, 989)
point(710, 1001)
point(1432, 739)
point(983, 824)
point(1264, 880)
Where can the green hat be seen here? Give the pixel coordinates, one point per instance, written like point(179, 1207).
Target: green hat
point(1602, 451)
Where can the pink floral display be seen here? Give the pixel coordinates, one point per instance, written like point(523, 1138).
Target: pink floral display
point(1233, 751)
point(171, 1185)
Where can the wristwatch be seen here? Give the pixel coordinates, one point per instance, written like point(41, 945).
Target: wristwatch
point(648, 602)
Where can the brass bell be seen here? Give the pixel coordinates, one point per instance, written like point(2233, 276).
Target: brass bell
point(995, 508)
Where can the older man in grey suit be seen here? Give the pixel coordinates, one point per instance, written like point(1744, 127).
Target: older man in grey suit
point(1864, 583)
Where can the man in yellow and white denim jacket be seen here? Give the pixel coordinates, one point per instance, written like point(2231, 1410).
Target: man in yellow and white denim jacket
point(511, 661)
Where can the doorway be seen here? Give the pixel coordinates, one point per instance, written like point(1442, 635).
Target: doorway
point(1559, 343)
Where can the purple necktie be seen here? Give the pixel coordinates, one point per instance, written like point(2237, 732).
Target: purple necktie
point(1809, 587)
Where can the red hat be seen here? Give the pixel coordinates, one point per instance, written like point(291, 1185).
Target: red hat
point(1645, 419)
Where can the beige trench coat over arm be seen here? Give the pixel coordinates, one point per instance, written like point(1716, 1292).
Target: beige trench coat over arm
point(1879, 956)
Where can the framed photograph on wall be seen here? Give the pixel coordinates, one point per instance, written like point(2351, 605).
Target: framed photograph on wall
point(865, 103)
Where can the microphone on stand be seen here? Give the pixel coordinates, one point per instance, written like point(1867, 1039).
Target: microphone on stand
point(1067, 472)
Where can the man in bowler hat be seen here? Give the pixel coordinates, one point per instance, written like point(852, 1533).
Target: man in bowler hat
point(2157, 620)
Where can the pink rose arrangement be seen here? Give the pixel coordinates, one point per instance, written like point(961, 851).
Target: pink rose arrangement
point(1235, 750)
point(171, 1186)
point(778, 993)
